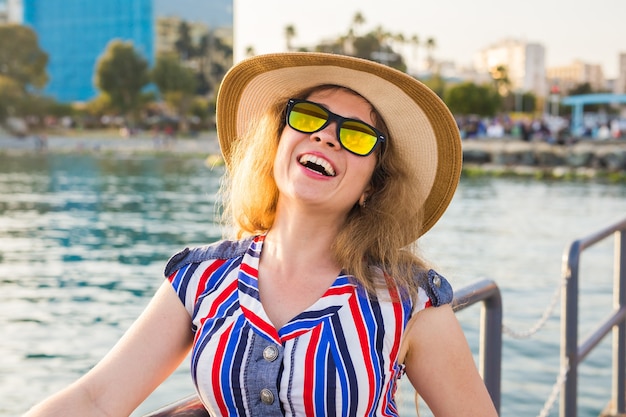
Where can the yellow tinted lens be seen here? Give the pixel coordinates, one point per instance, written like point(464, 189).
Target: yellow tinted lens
point(307, 117)
point(357, 137)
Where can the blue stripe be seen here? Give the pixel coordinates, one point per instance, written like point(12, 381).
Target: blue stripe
point(307, 320)
point(212, 326)
point(345, 369)
point(229, 375)
point(331, 386)
point(324, 392)
point(371, 313)
point(181, 280)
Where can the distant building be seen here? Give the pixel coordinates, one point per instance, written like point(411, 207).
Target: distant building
point(525, 64)
point(566, 77)
point(216, 14)
point(620, 82)
point(4, 16)
point(75, 33)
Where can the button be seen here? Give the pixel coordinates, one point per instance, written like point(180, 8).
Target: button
point(437, 281)
point(270, 353)
point(266, 396)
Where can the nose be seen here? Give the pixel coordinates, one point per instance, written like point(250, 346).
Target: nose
point(327, 136)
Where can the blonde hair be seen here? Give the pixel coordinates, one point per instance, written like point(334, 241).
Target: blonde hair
point(374, 235)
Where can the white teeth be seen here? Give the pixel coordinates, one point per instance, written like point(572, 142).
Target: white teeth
point(328, 169)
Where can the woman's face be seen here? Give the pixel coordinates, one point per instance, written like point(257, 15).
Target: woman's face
point(313, 170)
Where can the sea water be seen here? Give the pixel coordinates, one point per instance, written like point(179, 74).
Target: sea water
point(84, 239)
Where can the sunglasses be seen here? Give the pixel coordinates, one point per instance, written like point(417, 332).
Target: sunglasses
point(354, 135)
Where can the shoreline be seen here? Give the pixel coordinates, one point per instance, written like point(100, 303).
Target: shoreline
point(581, 160)
point(584, 159)
point(204, 143)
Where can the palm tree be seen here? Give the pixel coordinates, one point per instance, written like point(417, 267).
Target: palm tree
point(500, 75)
point(414, 41)
point(430, 46)
point(399, 38)
point(290, 33)
point(357, 21)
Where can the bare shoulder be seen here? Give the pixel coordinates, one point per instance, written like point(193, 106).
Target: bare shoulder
point(440, 364)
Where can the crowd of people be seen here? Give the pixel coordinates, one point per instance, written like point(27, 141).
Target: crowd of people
point(551, 129)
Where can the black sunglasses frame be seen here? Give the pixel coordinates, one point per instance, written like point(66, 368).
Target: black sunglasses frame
point(339, 120)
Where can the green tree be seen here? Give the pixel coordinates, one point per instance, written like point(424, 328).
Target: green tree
point(370, 47)
point(582, 88)
point(436, 83)
point(21, 59)
point(11, 94)
point(184, 43)
point(431, 44)
point(529, 102)
point(500, 75)
point(290, 33)
point(468, 98)
point(357, 22)
point(22, 68)
point(415, 44)
point(176, 83)
point(122, 73)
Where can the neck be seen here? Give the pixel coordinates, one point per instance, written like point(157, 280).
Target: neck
point(301, 240)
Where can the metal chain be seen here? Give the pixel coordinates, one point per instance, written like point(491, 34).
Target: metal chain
point(542, 321)
point(560, 380)
point(556, 390)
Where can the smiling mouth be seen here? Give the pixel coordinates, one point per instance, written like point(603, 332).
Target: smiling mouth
point(316, 164)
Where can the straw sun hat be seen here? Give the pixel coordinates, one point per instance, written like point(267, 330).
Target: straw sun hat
point(420, 125)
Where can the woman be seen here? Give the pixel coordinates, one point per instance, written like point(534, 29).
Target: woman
point(317, 306)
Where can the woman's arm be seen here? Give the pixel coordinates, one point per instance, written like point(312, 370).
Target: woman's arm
point(440, 365)
point(144, 357)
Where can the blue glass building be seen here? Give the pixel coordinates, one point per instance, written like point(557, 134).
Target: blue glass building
point(75, 33)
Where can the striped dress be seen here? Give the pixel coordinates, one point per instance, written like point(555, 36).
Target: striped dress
point(336, 358)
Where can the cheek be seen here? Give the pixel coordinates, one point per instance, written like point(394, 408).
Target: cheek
point(284, 150)
point(364, 169)
point(287, 139)
point(367, 164)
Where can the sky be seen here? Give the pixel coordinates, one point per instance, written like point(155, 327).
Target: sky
point(591, 31)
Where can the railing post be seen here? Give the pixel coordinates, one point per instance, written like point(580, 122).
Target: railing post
point(490, 350)
point(619, 331)
point(491, 346)
point(569, 331)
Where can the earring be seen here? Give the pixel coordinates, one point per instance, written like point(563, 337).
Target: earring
point(362, 200)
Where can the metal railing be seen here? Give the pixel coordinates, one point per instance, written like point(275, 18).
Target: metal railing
point(572, 354)
point(490, 348)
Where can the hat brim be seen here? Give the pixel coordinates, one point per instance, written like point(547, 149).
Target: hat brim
point(420, 124)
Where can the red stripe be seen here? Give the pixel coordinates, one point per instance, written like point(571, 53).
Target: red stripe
point(399, 326)
point(215, 372)
point(365, 351)
point(344, 289)
point(227, 292)
point(308, 396)
point(248, 270)
point(261, 324)
point(205, 277)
